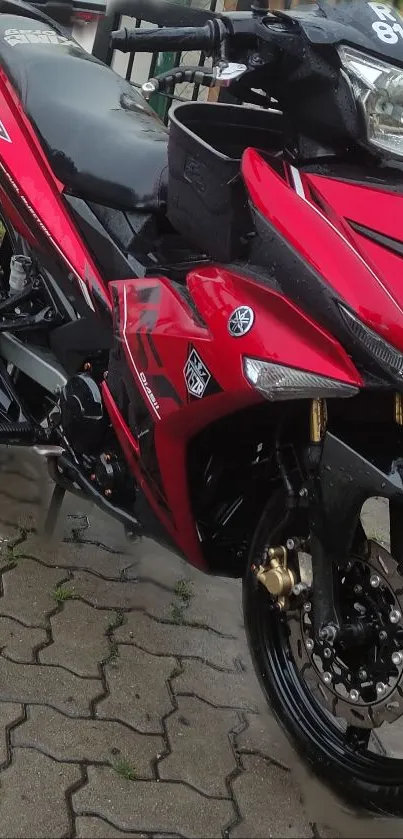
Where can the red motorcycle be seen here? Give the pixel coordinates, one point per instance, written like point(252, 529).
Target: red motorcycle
point(202, 331)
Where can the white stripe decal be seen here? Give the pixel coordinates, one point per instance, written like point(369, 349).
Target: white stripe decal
point(299, 188)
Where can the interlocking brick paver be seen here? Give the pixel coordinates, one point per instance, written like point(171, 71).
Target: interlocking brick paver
point(17, 488)
point(22, 462)
point(113, 594)
point(236, 690)
point(330, 814)
point(151, 806)
point(10, 535)
point(205, 762)
point(171, 639)
point(138, 690)
point(19, 642)
point(162, 567)
point(180, 699)
point(19, 514)
point(218, 602)
point(28, 591)
point(325, 832)
point(32, 683)
point(73, 555)
point(88, 827)
point(79, 640)
point(85, 523)
point(216, 605)
point(221, 613)
point(97, 741)
point(264, 735)
point(9, 714)
point(268, 802)
point(33, 800)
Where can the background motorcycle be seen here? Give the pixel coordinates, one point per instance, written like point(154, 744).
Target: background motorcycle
point(204, 333)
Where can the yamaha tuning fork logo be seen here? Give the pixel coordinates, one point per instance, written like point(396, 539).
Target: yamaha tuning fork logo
point(241, 321)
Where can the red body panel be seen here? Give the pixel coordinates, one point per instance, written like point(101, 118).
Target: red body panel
point(377, 299)
point(24, 168)
point(280, 333)
point(377, 210)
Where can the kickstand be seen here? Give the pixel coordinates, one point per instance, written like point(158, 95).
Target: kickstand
point(53, 510)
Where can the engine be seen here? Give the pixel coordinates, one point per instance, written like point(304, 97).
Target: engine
point(82, 413)
point(87, 429)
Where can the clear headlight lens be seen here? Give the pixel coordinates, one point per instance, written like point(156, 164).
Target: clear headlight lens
point(276, 382)
point(378, 87)
point(387, 356)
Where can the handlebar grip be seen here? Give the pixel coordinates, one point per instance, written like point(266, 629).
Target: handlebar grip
point(166, 39)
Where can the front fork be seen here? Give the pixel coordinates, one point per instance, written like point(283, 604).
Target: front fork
point(340, 479)
point(323, 499)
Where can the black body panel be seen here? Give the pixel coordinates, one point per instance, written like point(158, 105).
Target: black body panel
point(101, 138)
point(107, 254)
point(75, 342)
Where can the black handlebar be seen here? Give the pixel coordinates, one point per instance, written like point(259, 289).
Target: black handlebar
point(169, 39)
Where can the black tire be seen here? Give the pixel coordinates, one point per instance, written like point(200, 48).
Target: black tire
point(362, 778)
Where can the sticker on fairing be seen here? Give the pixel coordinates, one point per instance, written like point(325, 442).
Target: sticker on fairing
point(15, 37)
point(197, 376)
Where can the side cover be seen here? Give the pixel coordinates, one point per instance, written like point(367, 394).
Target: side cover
point(176, 368)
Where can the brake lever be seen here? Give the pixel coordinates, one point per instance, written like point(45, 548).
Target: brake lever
point(220, 76)
point(229, 72)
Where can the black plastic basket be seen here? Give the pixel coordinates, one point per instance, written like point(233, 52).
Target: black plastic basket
point(207, 201)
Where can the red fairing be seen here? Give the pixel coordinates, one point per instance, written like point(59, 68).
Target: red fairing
point(366, 276)
point(26, 174)
point(189, 370)
point(281, 333)
point(375, 209)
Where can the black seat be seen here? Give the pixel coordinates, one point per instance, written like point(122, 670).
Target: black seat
point(101, 138)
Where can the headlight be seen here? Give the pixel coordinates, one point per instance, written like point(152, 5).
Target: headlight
point(378, 88)
point(388, 357)
point(276, 382)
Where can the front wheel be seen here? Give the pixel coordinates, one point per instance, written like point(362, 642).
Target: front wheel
point(330, 702)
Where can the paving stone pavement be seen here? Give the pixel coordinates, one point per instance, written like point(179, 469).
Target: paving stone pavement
point(128, 704)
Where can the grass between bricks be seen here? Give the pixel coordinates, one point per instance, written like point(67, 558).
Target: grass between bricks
point(184, 592)
point(62, 593)
point(7, 550)
point(116, 620)
point(124, 769)
point(177, 613)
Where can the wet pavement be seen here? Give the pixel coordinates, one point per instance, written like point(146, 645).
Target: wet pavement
point(128, 703)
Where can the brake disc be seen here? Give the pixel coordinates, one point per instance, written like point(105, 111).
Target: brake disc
point(363, 685)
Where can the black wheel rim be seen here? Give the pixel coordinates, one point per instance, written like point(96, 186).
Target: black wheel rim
point(315, 724)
